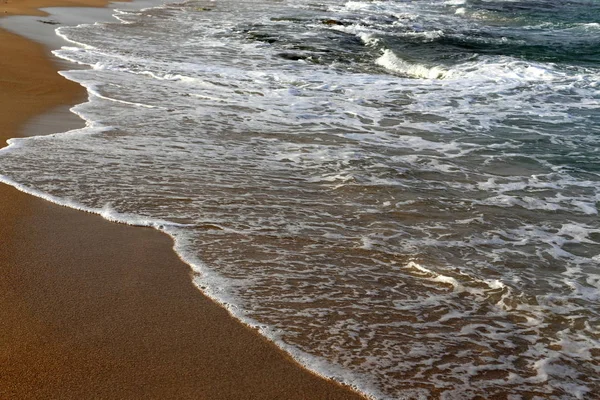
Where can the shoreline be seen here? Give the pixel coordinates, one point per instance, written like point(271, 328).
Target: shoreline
point(95, 309)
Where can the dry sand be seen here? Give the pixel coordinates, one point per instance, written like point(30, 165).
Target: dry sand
point(95, 310)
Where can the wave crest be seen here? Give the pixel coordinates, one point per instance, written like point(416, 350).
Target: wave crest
point(393, 63)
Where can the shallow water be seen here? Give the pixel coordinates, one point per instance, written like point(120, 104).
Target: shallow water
point(403, 195)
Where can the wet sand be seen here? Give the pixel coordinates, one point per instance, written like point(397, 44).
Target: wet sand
point(96, 310)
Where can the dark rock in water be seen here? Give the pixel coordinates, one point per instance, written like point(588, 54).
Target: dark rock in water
point(49, 22)
point(293, 56)
point(333, 22)
point(262, 37)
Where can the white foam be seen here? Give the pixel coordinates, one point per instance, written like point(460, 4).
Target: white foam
point(394, 64)
point(59, 32)
point(107, 212)
point(472, 285)
point(358, 5)
point(368, 39)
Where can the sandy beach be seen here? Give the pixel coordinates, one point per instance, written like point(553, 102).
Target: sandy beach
point(92, 309)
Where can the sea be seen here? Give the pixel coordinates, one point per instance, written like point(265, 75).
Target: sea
point(403, 195)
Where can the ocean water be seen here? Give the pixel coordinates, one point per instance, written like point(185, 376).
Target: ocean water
point(403, 195)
